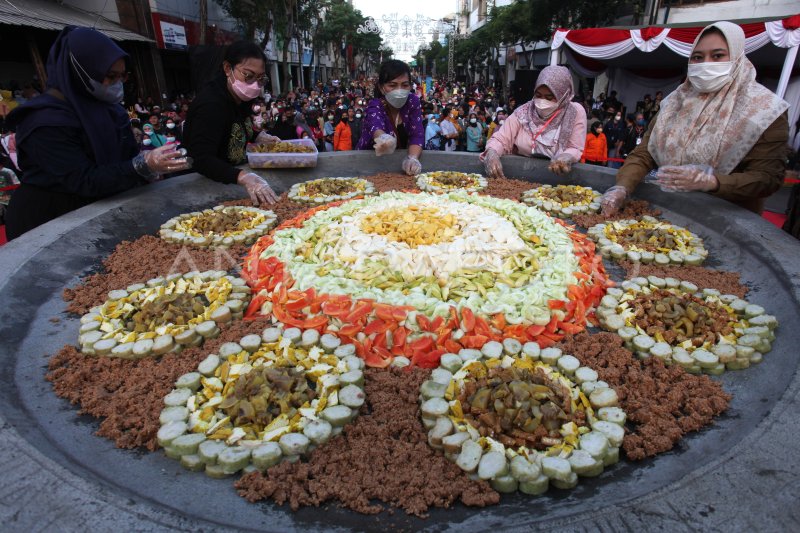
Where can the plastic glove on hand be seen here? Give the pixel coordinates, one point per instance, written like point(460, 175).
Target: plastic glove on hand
point(492, 164)
point(686, 178)
point(259, 190)
point(385, 144)
point(166, 159)
point(561, 165)
point(612, 200)
point(266, 138)
point(412, 166)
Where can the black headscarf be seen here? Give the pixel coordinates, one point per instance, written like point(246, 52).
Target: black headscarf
point(103, 123)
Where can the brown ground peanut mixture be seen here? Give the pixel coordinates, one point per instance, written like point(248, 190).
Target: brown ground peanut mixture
point(662, 403)
point(634, 209)
point(723, 281)
point(382, 456)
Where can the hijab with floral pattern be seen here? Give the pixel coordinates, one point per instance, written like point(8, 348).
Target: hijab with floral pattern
point(717, 128)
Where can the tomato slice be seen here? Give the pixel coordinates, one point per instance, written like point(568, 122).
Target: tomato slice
point(469, 319)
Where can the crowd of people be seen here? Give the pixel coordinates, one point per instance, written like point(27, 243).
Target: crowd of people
point(102, 148)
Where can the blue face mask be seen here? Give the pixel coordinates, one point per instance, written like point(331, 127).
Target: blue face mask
point(641, 122)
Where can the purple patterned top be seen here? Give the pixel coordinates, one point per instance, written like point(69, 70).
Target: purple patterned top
point(378, 119)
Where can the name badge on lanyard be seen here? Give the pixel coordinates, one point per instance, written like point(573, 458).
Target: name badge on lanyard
point(638, 141)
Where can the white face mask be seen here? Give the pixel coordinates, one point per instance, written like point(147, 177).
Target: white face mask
point(358, 115)
point(170, 125)
point(473, 121)
point(545, 107)
point(397, 98)
point(710, 77)
point(147, 142)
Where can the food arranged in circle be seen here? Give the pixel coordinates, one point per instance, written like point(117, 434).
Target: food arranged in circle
point(448, 181)
point(268, 398)
point(326, 190)
point(648, 240)
point(563, 200)
point(522, 418)
point(422, 274)
point(701, 330)
point(222, 226)
point(163, 315)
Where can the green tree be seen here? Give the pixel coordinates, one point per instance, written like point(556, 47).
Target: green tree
point(252, 17)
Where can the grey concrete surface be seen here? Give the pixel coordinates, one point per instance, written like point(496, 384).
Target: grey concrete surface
point(740, 474)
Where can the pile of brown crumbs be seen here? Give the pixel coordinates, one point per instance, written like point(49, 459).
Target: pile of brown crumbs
point(634, 209)
point(705, 278)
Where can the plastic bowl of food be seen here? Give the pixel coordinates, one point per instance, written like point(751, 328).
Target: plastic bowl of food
point(295, 153)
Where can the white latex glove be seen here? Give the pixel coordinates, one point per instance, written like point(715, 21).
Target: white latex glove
point(561, 165)
point(492, 164)
point(166, 159)
point(385, 144)
point(411, 165)
point(259, 190)
point(612, 200)
point(685, 178)
point(266, 138)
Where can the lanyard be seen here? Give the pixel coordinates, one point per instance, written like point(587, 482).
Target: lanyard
point(536, 136)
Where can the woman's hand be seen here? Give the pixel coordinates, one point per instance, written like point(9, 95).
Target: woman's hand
point(561, 165)
point(385, 144)
point(492, 164)
point(411, 165)
point(166, 159)
point(686, 178)
point(257, 187)
point(612, 200)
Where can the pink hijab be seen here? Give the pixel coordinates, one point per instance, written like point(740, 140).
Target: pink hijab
point(719, 128)
point(559, 80)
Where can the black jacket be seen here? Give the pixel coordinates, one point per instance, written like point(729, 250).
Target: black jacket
point(217, 131)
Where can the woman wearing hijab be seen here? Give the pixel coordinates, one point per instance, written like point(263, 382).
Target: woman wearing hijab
point(219, 124)
point(720, 132)
point(394, 117)
point(75, 141)
point(156, 140)
point(551, 125)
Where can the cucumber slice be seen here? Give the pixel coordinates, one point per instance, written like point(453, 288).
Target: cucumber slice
point(209, 365)
point(535, 487)
point(354, 377)
point(705, 359)
point(627, 333)
point(330, 342)
point(400, 362)
point(569, 483)
point(231, 460)
point(492, 465)
point(221, 315)
point(611, 457)
point(294, 443)
point(525, 470)
point(431, 389)
point(435, 407)
point(440, 375)
point(556, 468)
point(643, 342)
point(584, 464)
point(170, 432)
point(293, 334)
point(353, 362)
point(186, 337)
point(505, 484)
point(441, 429)
point(187, 444)
point(568, 364)
point(512, 346)
point(189, 381)
point(230, 348)
point(470, 456)
point(613, 432)
point(612, 414)
point(550, 355)
point(123, 351)
point(104, 347)
point(584, 374)
point(192, 462)
point(532, 350)
point(661, 350)
point(266, 455)
point(451, 362)
point(271, 335)
point(162, 344)
point(347, 350)
point(594, 443)
point(452, 443)
point(178, 397)
point(216, 471)
point(318, 431)
point(142, 348)
point(615, 322)
point(309, 338)
point(603, 397)
point(209, 450)
point(352, 396)
point(492, 349)
point(468, 354)
point(250, 343)
point(207, 329)
point(173, 414)
point(337, 415)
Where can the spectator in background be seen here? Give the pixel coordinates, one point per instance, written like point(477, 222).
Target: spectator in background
point(635, 134)
point(355, 119)
point(329, 129)
point(284, 128)
point(156, 140)
point(615, 131)
point(596, 151)
point(474, 133)
point(450, 129)
point(498, 121)
point(342, 135)
point(433, 133)
point(172, 133)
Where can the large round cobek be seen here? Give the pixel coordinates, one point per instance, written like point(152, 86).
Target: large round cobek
point(737, 473)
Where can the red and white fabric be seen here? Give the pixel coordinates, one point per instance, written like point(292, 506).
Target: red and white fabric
point(608, 43)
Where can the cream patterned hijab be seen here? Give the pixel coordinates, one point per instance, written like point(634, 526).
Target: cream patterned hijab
point(559, 80)
point(720, 128)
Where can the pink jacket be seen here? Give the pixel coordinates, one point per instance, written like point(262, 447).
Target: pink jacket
point(513, 138)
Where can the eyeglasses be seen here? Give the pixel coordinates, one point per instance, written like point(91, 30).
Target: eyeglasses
point(114, 77)
point(249, 77)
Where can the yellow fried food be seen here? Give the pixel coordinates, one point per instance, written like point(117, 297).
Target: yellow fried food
point(415, 226)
